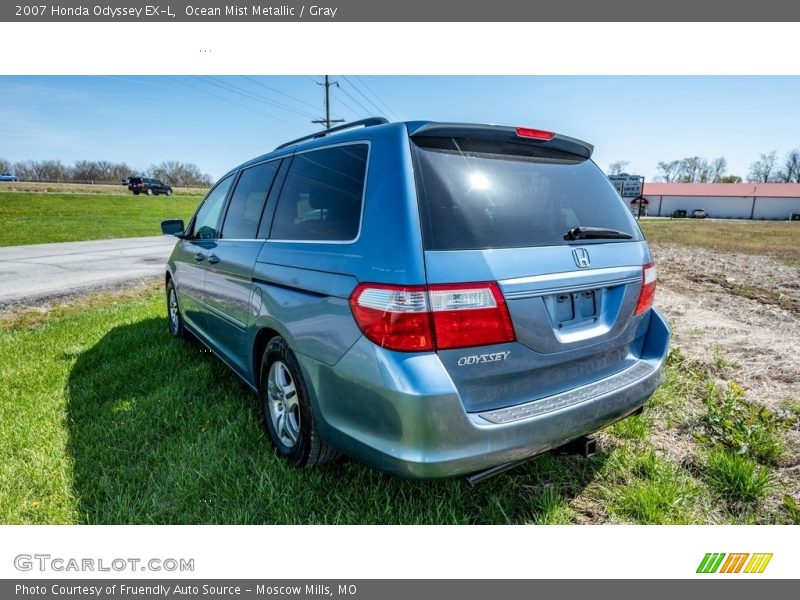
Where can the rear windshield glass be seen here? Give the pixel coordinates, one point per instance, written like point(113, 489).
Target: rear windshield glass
point(474, 195)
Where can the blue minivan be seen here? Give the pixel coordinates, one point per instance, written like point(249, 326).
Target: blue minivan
point(433, 299)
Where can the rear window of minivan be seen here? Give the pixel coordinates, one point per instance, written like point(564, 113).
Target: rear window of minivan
point(475, 194)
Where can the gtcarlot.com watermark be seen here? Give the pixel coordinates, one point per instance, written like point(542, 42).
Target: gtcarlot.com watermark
point(58, 564)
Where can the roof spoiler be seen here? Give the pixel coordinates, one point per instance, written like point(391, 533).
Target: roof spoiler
point(362, 123)
point(501, 133)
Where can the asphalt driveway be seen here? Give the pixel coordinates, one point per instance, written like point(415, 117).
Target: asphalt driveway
point(37, 272)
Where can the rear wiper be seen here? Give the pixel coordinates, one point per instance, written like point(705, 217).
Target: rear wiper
point(596, 233)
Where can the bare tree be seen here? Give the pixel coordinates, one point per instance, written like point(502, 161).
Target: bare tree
point(790, 172)
point(718, 168)
point(668, 171)
point(694, 169)
point(86, 170)
point(618, 167)
point(104, 171)
point(180, 174)
point(764, 170)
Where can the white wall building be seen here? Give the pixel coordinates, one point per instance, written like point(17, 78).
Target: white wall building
point(775, 201)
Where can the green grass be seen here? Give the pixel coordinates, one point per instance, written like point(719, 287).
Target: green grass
point(39, 218)
point(792, 509)
point(737, 478)
point(644, 488)
point(779, 239)
point(104, 418)
point(732, 422)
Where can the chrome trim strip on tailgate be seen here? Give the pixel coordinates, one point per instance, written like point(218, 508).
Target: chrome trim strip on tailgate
point(570, 288)
point(558, 401)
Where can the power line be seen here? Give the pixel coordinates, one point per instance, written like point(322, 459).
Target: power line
point(229, 100)
point(395, 109)
point(229, 87)
point(264, 85)
point(363, 95)
point(367, 111)
point(349, 107)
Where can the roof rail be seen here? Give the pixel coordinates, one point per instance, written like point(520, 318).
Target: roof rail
point(362, 123)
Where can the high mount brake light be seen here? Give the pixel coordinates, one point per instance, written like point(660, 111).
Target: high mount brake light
point(648, 291)
point(534, 134)
point(436, 317)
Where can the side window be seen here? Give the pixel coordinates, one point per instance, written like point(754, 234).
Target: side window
point(247, 201)
point(205, 223)
point(322, 195)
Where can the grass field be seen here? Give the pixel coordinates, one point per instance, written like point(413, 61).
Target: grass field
point(83, 188)
point(104, 418)
point(40, 218)
point(779, 239)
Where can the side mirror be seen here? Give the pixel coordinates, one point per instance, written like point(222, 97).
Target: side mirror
point(173, 227)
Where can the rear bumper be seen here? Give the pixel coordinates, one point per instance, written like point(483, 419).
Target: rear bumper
point(401, 412)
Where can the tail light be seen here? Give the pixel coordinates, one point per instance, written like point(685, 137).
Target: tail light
point(436, 317)
point(648, 289)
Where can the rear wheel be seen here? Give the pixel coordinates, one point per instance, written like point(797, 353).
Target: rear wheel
point(288, 414)
point(168, 192)
point(149, 191)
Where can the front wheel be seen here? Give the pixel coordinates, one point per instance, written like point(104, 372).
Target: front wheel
point(288, 414)
point(168, 192)
point(149, 191)
point(174, 318)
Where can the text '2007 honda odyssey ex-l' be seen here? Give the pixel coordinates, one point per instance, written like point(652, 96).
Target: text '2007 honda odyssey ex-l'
point(432, 299)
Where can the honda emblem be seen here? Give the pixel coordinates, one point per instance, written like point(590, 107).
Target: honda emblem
point(581, 256)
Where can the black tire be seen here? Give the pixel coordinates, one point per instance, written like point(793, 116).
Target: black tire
point(307, 449)
point(149, 191)
point(135, 193)
point(174, 319)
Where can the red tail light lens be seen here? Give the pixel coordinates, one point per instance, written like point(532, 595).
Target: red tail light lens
point(534, 134)
point(438, 317)
point(469, 314)
point(394, 317)
point(648, 289)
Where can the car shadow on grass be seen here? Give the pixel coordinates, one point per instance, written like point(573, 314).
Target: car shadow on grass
point(161, 432)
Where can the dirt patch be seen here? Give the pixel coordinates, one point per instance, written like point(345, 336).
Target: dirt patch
point(739, 314)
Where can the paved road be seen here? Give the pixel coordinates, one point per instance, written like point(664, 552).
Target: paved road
point(37, 272)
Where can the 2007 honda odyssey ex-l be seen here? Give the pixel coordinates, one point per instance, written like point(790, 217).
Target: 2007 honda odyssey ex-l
point(432, 299)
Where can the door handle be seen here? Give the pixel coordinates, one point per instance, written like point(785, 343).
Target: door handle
point(213, 259)
point(199, 256)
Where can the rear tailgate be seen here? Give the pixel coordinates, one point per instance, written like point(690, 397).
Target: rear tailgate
point(495, 207)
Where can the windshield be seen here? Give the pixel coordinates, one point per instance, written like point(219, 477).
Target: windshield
point(475, 195)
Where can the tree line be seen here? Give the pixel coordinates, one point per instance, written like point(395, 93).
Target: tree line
point(696, 169)
point(172, 172)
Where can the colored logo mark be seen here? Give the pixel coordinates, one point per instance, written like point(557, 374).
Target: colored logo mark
point(719, 562)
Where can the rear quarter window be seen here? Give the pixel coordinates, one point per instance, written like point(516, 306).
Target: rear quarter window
point(322, 196)
point(474, 195)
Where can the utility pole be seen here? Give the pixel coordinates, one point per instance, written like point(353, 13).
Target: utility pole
point(327, 121)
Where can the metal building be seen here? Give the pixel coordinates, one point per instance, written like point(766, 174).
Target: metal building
point(774, 201)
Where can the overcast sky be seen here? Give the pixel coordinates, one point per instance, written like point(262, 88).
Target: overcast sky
point(218, 122)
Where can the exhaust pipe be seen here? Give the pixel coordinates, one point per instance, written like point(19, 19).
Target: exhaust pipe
point(476, 478)
point(583, 446)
